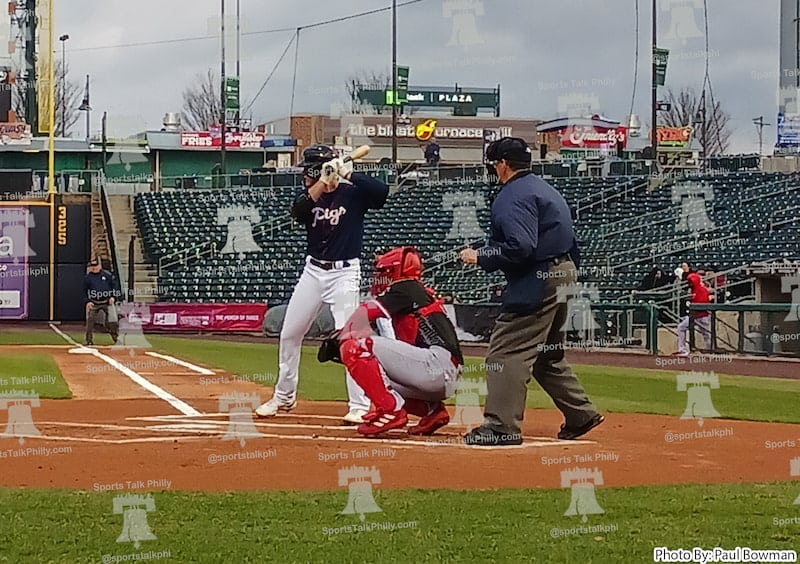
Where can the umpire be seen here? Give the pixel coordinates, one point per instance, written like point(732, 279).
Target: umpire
point(533, 243)
point(100, 290)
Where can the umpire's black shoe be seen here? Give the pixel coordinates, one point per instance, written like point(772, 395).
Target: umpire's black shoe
point(486, 436)
point(571, 433)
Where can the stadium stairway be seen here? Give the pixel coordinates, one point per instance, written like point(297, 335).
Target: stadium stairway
point(145, 273)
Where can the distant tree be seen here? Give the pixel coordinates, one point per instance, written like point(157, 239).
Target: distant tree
point(68, 93)
point(686, 110)
point(366, 80)
point(201, 102)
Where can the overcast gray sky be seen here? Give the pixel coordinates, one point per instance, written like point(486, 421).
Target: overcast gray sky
point(543, 53)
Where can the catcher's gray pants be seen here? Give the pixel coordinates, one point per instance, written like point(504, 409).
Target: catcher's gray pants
point(417, 373)
point(522, 345)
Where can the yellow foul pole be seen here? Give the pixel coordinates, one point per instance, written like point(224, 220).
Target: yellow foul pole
point(51, 100)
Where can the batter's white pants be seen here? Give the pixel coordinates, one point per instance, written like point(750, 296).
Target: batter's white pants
point(417, 373)
point(339, 288)
point(703, 324)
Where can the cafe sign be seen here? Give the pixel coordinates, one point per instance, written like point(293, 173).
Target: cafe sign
point(581, 136)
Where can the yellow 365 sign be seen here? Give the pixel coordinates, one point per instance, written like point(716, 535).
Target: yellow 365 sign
point(61, 225)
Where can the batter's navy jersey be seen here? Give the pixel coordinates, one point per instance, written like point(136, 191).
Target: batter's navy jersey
point(335, 222)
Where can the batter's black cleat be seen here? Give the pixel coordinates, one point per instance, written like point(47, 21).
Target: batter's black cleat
point(487, 437)
point(572, 433)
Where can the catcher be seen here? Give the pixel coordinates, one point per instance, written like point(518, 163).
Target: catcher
point(413, 373)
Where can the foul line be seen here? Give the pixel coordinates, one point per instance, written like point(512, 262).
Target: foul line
point(160, 393)
point(179, 362)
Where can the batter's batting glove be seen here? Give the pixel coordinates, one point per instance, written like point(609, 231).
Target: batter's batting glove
point(329, 349)
point(329, 175)
point(343, 169)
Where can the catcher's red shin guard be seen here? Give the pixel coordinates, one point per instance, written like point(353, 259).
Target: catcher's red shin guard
point(366, 371)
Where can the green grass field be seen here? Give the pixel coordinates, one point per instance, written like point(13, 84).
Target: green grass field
point(32, 372)
point(440, 526)
point(448, 526)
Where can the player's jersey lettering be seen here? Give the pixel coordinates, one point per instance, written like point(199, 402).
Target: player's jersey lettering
point(331, 215)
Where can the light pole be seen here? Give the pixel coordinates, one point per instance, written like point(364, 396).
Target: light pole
point(654, 94)
point(223, 109)
point(63, 40)
point(394, 88)
point(85, 107)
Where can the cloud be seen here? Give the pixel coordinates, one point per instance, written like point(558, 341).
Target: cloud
point(521, 43)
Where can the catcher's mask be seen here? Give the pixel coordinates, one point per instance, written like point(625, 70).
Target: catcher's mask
point(402, 263)
point(313, 159)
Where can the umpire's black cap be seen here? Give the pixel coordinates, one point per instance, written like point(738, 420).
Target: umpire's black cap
point(512, 149)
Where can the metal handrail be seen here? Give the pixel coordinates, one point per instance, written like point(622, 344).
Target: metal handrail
point(673, 250)
point(629, 185)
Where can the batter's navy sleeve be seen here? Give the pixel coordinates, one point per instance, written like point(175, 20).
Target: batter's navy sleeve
point(371, 189)
point(301, 208)
point(86, 288)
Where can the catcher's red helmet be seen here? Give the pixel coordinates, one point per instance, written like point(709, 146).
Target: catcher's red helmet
point(402, 263)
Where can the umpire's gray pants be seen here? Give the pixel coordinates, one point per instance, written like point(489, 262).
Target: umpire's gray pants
point(417, 373)
point(522, 345)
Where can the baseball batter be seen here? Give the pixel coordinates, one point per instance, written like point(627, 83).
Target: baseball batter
point(332, 208)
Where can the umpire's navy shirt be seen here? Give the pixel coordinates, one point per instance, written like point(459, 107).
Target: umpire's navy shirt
point(335, 224)
point(531, 225)
point(99, 287)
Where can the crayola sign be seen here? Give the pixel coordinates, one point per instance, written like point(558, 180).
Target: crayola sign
point(425, 129)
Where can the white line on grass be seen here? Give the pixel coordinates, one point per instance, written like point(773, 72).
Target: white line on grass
point(179, 362)
point(160, 393)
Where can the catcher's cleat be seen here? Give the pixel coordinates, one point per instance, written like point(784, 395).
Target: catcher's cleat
point(384, 422)
point(371, 416)
point(429, 424)
point(273, 406)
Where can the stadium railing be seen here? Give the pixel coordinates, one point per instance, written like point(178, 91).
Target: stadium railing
point(111, 231)
point(768, 337)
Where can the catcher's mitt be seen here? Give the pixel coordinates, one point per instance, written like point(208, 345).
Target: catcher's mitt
point(329, 349)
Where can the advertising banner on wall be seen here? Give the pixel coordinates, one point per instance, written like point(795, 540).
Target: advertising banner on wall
point(203, 317)
point(211, 139)
point(15, 252)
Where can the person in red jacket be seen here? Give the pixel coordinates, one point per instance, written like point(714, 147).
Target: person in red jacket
point(702, 319)
point(419, 369)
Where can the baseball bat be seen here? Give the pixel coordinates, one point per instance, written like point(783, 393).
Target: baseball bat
point(358, 153)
